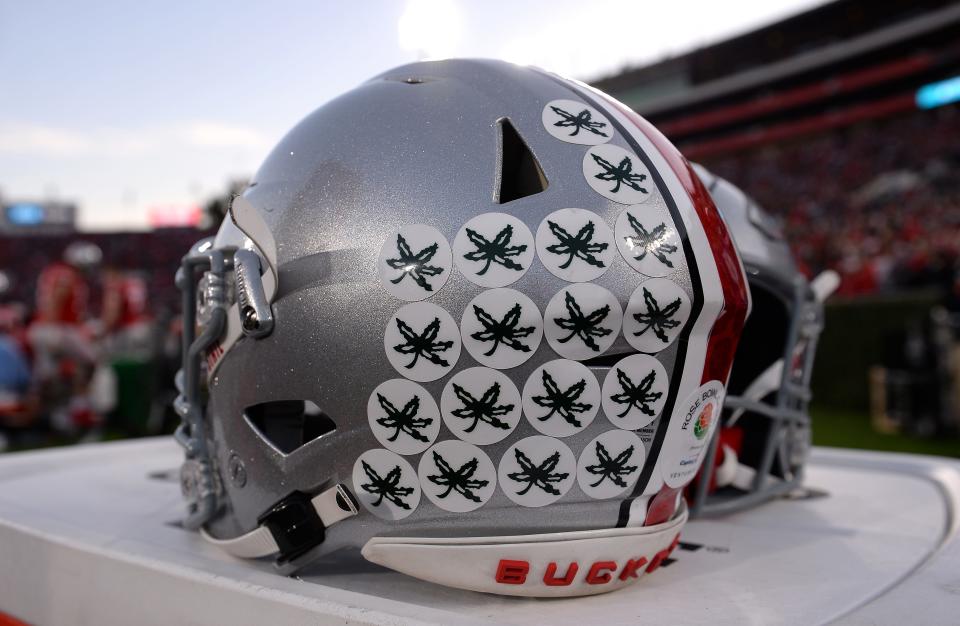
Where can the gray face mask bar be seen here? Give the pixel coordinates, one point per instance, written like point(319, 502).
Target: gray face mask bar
point(294, 526)
point(788, 437)
point(197, 478)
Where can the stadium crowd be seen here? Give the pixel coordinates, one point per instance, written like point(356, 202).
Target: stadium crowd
point(89, 333)
point(878, 202)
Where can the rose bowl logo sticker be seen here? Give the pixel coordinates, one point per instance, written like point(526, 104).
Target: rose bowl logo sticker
point(693, 423)
point(703, 422)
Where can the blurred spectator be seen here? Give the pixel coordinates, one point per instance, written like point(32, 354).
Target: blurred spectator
point(89, 334)
point(879, 202)
point(63, 348)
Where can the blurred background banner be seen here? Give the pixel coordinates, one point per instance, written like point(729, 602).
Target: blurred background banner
point(126, 129)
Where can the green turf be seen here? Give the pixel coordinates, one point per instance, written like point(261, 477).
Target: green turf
point(844, 429)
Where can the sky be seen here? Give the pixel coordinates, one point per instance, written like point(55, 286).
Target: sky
point(132, 108)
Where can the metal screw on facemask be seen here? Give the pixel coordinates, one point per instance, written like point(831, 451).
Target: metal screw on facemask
point(236, 471)
point(250, 320)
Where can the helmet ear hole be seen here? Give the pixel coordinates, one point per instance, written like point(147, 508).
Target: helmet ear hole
point(286, 425)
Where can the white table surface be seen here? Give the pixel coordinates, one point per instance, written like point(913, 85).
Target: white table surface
point(88, 537)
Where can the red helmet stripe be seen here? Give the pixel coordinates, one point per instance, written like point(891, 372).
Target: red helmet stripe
point(722, 344)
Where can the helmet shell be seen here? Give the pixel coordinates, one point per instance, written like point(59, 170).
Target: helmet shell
point(427, 144)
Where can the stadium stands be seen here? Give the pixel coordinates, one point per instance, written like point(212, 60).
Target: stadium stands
point(155, 255)
point(878, 201)
point(817, 117)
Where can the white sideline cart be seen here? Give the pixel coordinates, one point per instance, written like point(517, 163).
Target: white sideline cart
point(88, 535)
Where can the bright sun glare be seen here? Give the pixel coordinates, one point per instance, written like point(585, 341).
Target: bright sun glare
point(431, 28)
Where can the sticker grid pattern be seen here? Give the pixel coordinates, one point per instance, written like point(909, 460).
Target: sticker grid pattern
point(494, 250)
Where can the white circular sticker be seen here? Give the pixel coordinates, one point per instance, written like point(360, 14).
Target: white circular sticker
point(655, 315)
point(582, 321)
point(634, 391)
point(414, 262)
point(422, 341)
point(575, 245)
point(688, 437)
point(493, 249)
point(480, 405)
point(501, 328)
point(648, 240)
point(537, 471)
point(576, 122)
point(561, 398)
point(457, 476)
point(403, 416)
point(610, 464)
point(617, 174)
point(386, 484)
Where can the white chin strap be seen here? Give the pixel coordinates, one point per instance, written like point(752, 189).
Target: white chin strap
point(732, 473)
point(331, 506)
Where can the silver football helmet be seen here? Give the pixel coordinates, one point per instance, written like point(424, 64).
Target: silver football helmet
point(759, 451)
point(472, 319)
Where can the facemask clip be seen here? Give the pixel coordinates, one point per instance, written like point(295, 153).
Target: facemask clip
point(256, 317)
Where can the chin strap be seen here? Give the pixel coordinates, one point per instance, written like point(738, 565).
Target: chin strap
point(291, 527)
point(732, 473)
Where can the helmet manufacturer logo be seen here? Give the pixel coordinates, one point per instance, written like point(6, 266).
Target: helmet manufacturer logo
point(561, 398)
point(575, 245)
point(414, 262)
point(493, 249)
point(648, 241)
point(403, 416)
point(422, 341)
point(575, 122)
point(582, 321)
point(457, 476)
point(655, 316)
point(501, 328)
point(537, 471)
point(634, 391)
point(617, 174)
point(386, 484)
point(610, 464)
point(480, 405)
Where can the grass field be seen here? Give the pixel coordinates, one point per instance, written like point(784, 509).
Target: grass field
point(852, 430)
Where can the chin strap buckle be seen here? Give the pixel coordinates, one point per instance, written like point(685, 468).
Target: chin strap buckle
point(293, 526)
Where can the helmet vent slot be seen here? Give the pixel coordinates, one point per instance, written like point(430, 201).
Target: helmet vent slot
point(519, 173)
point(288, 424)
